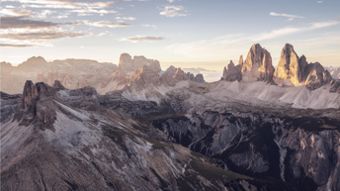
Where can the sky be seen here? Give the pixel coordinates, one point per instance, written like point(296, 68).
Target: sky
point(185, 33)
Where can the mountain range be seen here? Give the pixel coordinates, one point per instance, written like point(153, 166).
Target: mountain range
point(292, 70)
point(97, 126)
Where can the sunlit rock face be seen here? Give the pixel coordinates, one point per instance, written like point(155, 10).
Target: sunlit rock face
point(240, 61)
point(258, 65)
point(297, 71)
point(233, 73)
point(289, 67)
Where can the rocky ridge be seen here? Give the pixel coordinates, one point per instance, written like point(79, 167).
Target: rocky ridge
point(291, 70)
point(136, 71)
point(140, 72)
point(298, 71)
point(98, 145)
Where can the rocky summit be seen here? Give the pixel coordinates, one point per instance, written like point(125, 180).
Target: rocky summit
point(258, 65)
point(298, 71)
point(233, 73)
point(291, 70)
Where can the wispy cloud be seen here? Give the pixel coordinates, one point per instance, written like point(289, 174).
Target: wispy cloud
point(149, 26)
point(140, 38)
point(21, 31)
point(119, 18)
point(22, 22)
point(292, 30)
point(104, 24)
point(14, 45)
point(285, 15)
point(81, 7)
point(40, 35)
point(15, 12)
point(173, 11)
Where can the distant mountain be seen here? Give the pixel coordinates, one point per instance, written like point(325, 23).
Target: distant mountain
point(140, 73)
point(334, 71)
point(76, 73)
point(73, 73)
point(292, 70)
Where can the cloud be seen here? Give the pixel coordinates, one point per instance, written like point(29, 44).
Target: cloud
point(319, 2)
point(125, 18)
point(40, 35)
point(16, 12)
point(14, 45)
point(140, 38)
point(81, 7)
point(285, 15)
point(292, 30)
point(149, 26)
point(24, 32)
point(22, 22)
point(173, 11)
point(104, 24)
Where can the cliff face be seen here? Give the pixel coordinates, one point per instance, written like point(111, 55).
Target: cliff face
point(291, 70)
point(258, 65)
point(298, 71)
point(289, 67)
point(294, 146)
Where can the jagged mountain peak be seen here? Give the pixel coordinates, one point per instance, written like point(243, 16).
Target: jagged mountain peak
point(127, 63)
point(297, 71)
point(232, 72)
point(32, 92)
point(289, 66)
point(258, 65)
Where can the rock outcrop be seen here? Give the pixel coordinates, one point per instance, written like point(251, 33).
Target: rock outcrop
point(174, 75)
point(128, 64)
point(29, 95)
point(33, 94)
point(147, 75)
point(258, 65)
point(316, 76)
point(199, 78)
point(297, 71)
point(240, 61)
point(289, 67)
point(233, 73)
point(58, 85)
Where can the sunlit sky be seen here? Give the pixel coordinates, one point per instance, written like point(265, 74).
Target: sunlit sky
point(188, 33)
